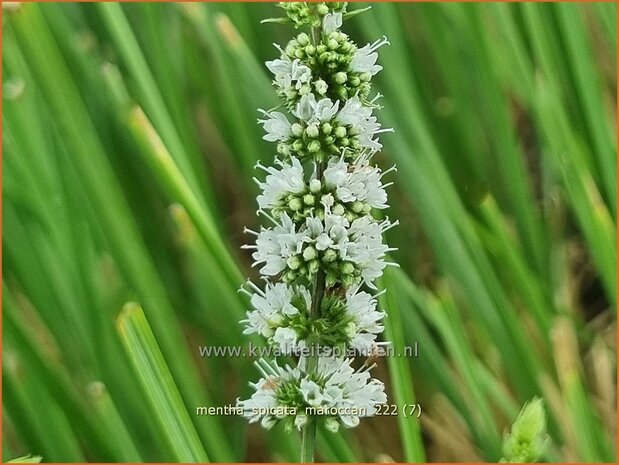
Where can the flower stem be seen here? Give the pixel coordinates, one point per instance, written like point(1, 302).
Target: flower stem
point(308, 440)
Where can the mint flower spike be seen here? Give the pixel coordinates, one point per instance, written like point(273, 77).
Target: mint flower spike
point(324, 248)
point(527, 441)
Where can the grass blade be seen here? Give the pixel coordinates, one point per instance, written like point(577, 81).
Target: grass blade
point(158, 386)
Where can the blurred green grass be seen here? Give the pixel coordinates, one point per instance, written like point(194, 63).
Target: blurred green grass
point(129, 139)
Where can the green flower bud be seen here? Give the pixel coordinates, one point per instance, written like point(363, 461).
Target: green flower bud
point(297, 145)
point(313, 266)
point(350, 217)
point(330, 279)
point(312, 131)
point(276, 319)
point(299, 53)
point(313, 146)
point(340, 77)
point(291, 94)
point(309, 253)
point(335, 35)
point(309, 199)
point(345, 47)
point(338, 209)
point(348, 280)
point(305, 89)
point(297, 129)
point(326, 128)
point(365, 77)
point(283, 149)
point(347, 268)
point(345, 141)
point(310, 49)
point(295, 204)
point(294, 262)
point(329, 256)
point(366, 209)
point(340, 132)
point(315, 186)
point(322, 9)
point(303, 39)
point(321, 87)
point(321, 48)
point(342, 93)
point(351, 329)
point(354, 81)
point(357, 207)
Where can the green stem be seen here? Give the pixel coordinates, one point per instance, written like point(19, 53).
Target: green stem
point(308, 440)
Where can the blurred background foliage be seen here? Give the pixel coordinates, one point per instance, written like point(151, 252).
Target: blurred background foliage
point(129, 140)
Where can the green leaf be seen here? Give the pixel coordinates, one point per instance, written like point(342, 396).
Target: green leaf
point(158, 386)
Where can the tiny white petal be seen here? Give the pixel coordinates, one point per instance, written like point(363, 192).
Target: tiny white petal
point(331, 22)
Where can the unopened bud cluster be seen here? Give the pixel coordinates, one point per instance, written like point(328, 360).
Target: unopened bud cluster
point(324, 243)
point(308, 14)
point(334, 59)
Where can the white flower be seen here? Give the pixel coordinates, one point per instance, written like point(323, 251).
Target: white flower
point(364, 60)
point(361, 306)
point(277, 126)
point(359, 242)
point(286, 339)
point(279, 183)
point(344, 388)
point(324, 234)
point(359, 116)
point(312, 392)
point(331, 22)
point(300, 74)
point(334, 386)
point(272, 307)
point(289, 74)
point(274, 246)
point(357, 181)
point(264, 403)
point(365, 247)
point(312, 111)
